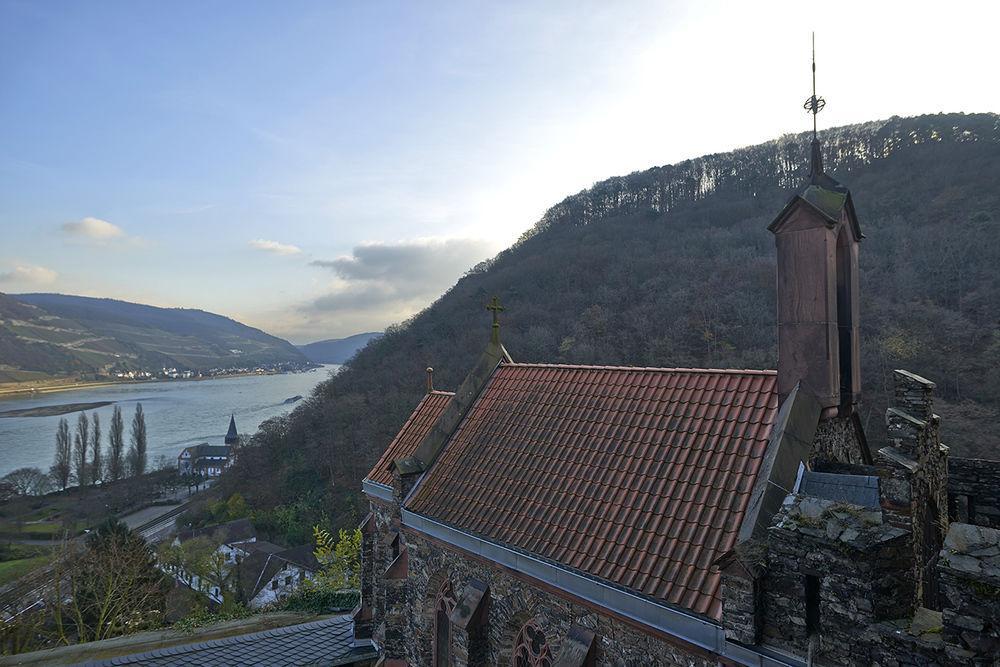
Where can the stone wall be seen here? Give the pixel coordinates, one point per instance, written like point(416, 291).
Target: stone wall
point(513, 601)
point(974, 491)
point(916, 452)
point(970, 580)
point(859, 566)
point(836, 439)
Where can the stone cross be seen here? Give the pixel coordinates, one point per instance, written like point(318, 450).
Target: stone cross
point(496, 308)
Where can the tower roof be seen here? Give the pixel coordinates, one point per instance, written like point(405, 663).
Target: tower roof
point(232, 437)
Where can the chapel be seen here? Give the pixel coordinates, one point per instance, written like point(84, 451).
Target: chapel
point(546, 514)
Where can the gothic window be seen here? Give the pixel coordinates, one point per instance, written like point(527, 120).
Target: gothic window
point(442, 624)
point(531, 649)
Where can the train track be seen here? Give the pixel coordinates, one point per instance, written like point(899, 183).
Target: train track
point(30, 590)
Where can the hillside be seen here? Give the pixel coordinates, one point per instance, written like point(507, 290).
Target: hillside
point(44, 335)
point(337, 350)
point(674, 266)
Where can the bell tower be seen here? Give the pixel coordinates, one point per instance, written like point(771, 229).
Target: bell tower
point(817, 236)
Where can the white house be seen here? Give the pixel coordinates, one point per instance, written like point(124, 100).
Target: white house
point(259, 571)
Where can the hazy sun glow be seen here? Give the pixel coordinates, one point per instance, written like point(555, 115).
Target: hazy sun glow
point(331, 168)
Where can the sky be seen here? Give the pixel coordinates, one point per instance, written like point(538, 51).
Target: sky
point(318, 169)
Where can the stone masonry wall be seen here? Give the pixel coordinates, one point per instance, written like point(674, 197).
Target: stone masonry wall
point(861, 566)
point(916, 450)
point(974, 490)
point(513, 602)
point(970, 580)
point(836, 440)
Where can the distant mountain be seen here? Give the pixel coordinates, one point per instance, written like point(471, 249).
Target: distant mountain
point(337, 350)
point(57, 335)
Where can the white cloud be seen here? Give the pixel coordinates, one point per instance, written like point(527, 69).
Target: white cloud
point(94, 229)
point(276, 247)
point(29, 275)
point(381, 283)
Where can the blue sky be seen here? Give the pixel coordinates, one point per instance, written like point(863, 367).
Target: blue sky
point(322, 168)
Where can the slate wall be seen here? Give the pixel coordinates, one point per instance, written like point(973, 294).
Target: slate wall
point(862, 566)
point(974, 491)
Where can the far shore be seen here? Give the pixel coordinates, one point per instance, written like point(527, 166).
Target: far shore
point(27, 390)
point(54, 410)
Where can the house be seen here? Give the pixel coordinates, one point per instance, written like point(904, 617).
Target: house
point(259, 571)
point(233, 539)
point(269, 573)
point(550, 514)
point(209, 460)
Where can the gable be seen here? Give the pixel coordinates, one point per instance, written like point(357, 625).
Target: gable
point(637, 476)
point(416, 428)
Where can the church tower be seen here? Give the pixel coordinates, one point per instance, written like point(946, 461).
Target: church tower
point(817, 236)
point(232, 437)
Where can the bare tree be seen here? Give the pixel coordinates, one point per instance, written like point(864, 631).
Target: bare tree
point(96, 471)
point(28, 481)
point(108, 587)
point(137, 451)
point(116, 446)
point(81, 443)
point(62, 466)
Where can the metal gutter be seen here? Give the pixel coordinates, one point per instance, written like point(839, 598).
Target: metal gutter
point(376, 490)
point(687, 627)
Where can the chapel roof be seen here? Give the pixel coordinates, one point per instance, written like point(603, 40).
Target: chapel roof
point(419, 424)
point(636, 476)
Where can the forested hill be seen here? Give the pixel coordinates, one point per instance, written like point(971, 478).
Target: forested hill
point(674, 266)
point(45, 335)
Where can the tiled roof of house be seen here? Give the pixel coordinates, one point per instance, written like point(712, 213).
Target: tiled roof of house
point(205, 449)
point(327, 643)
point(231, 532)
point(636, 476)
point(303, 555)
point(414, 430)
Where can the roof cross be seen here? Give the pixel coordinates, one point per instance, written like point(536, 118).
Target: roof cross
point(496, 308)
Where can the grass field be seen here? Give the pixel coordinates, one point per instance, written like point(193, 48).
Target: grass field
point(11, 570)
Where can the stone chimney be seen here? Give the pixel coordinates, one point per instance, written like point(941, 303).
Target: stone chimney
point(430, 379)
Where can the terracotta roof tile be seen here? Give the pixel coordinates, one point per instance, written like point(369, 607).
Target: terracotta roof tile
point(639, 476)
point(419, 424)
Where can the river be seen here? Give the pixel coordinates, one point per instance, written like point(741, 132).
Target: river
point(178, 413)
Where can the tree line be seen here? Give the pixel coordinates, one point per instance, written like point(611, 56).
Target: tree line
point(80, 459)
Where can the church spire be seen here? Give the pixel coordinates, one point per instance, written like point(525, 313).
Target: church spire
point(814, 105)
point(232, 437)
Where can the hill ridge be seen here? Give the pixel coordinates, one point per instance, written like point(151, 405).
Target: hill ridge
point(689, 282)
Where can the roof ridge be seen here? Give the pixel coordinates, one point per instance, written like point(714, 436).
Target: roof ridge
point(441, 392)
point(732, 371)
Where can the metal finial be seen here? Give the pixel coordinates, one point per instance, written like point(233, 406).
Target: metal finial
point(814, 104)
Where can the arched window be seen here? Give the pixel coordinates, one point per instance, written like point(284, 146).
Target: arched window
point(442, 624)
point(845, 318)
point(531, 648)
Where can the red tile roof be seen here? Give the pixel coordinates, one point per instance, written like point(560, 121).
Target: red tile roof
point(406, 441)
point(637, 476)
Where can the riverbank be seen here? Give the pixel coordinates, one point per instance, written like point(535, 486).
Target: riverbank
point(54, 385)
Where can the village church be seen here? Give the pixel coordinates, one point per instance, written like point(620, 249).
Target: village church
point(565, 515)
